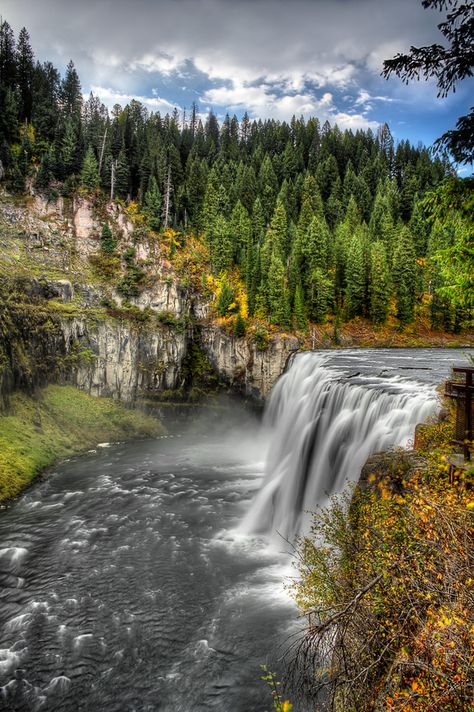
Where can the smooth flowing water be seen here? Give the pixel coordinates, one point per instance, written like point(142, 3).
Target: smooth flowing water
point(327, 414)
point(129, 581)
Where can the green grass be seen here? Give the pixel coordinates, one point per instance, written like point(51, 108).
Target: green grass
point(58, 422)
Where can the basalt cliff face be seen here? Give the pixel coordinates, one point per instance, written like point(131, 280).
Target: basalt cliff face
point(63, 317)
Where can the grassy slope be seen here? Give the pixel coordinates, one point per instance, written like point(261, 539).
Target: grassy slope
point(60, 421)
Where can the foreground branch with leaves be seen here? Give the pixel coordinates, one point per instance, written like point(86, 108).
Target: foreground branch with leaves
point(386, 582)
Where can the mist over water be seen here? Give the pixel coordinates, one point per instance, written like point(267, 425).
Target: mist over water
point(129, 579)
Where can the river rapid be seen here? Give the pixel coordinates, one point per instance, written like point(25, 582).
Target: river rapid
point(130, 580)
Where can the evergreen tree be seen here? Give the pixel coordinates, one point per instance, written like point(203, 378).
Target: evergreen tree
point(379, 283)
point(320, 293)
point(90, 178)
point(355, 291)
point(7, 56)
point(71, 94)
point(278, 298)
point(210, 210)
point(222, 248)
point(441, 310)
point(225, 298)
point(258, 220)
point(333, 210)
point(278, 230)
point(312, 195)
point(152, 202)
point(316, 248)
point(69, 150)
point(107, 241)
point(24, 75)
point(268, 187)
point(239, 327)
point(122, 175)
point(404, 276)
point(299, 311)
point(305, 217)
point(420, 229)
point(45, 174)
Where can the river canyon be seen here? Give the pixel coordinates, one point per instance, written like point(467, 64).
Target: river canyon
point(153, 575)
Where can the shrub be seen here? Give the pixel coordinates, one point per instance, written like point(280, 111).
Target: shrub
point(107, 241)
point(261, 338)
point(239, 326)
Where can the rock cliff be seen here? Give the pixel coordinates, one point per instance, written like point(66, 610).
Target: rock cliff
point(60, 321)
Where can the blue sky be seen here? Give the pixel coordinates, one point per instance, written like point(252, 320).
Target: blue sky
point(268, 57)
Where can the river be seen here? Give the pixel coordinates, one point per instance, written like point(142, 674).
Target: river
point(131, 579)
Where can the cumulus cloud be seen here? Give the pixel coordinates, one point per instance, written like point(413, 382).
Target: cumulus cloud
point(264, 101)
point(110, 97)
point(271, 57)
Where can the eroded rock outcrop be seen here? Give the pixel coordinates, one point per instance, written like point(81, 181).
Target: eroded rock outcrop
point(239, 363)
point(63, 321)
point(126, 362)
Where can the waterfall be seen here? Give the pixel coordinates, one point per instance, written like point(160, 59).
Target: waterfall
point(324, 423)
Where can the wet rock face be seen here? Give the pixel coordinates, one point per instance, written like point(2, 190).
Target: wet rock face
point(240, 364)
point(118, 360)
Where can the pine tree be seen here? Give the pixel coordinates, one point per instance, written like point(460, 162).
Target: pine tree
point(71, 94)
point(278, 306)
point(7, 56)
point(239, 327)
point(107, 241)
point(210, 210)
point(355, 292)
point(69, 149)
point(24, 74)
point(333, 210)
point(379, 283)
point(45, 174)
point(316, 248)
point(122, 175)
point(420, 229)
point(320, 295)
point(299, 312)
point(225, 298)
point(305, 217)
point(442, 313)
point(222, 247)
point(278, 230)
point(404, 276)
point(312, 195)
point(90, 178)
point(152, 200)
point(258, 220)
point(268, 187)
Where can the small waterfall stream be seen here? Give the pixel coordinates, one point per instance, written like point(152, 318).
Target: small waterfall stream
point(324, 424)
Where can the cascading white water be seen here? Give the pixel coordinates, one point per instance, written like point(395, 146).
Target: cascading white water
point(323, 426)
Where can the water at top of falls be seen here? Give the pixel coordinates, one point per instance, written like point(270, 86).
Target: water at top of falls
point(327, 414)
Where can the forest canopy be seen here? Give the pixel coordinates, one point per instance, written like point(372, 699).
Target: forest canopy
point(317, 223)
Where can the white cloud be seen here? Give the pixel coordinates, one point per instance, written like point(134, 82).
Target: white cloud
point(265, 101)
point(110, 97)
point(269, 55)
point(364, 98)
point(157, 62)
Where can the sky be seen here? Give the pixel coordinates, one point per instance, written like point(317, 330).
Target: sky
point(270, 58)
